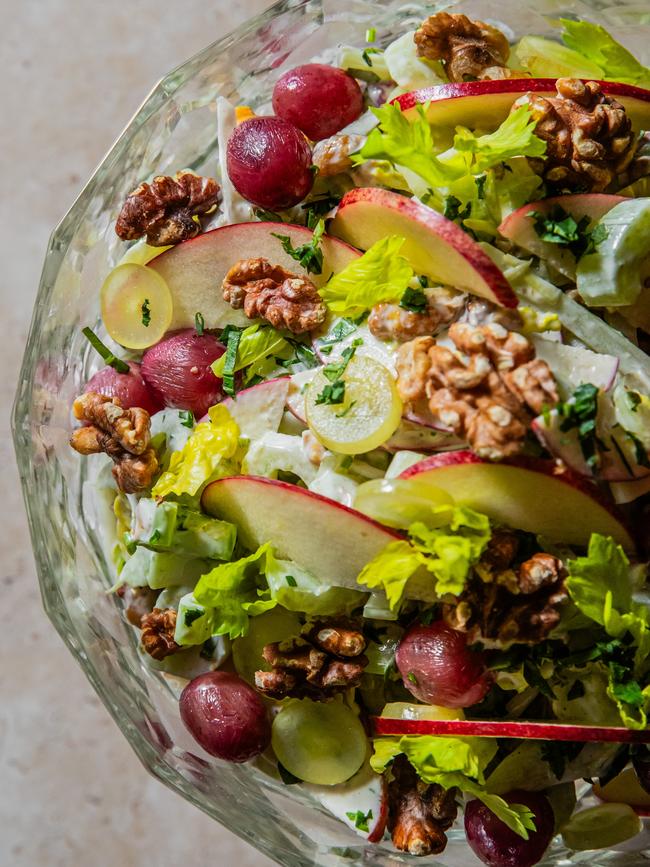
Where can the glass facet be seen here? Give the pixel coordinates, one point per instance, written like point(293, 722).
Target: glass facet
point(174, 129)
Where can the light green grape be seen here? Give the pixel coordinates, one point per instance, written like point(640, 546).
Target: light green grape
point(319, 743)
point(601, 827)
point(276, 625)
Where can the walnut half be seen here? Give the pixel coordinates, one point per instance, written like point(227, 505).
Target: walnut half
point(468, 49)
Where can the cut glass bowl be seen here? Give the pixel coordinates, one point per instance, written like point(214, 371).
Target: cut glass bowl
point(176, 128)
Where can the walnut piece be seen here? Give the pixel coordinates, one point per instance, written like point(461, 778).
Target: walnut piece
point(468, 49)
point(157, 635)
point(588, 135)
point(123, 434)
point(271, 292)
point(392, 322)
point(505, 602)
point(487, 394)
point(332, 155)
point(326, 659)
point(138, 602)
point(164, 209)
point(418, 813)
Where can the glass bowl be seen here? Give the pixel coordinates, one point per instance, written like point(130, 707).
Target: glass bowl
point(176, 128)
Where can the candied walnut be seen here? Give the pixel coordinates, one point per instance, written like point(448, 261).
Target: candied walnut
point(157, 636)
point(418, 813)
point(326, 659)
point(332, 155)
point(138, 602)
point(122, 434)
point(468, 49)
point(510, 603)
point(164, 209)
point(270, 292)
point(588, 135)
point(485, 395)
point(392, 322)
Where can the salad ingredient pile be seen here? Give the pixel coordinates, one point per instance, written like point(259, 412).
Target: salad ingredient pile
point(374, 424)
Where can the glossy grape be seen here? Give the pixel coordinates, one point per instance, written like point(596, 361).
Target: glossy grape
point(269, 163)
point(438, 668)
point(225, 716)
point(178, 370)
point(130, 388)
point(318, 99)
point(496, 845)
point(136, 304)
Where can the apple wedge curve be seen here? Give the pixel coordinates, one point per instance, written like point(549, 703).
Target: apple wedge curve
point(434, 246)
point(531, 494)
point(520, 729)
point(486, 104)
point(330, 540)
point(194, 270)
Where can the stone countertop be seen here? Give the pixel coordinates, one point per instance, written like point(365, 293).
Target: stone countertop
point(73, 792)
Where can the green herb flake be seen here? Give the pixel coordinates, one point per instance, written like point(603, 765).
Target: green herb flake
point(187, 418)
point(579, 413)
point(371, 34)
point(232, 345)
point(360, 819)
point(412, 678)
point(145, 310)
point(265, 216)
point(192, 614)
point(309, 255)
point(155, 537)
point(414, 300)
point(199, 323)
point(291, 581)
point(110, 359)
point(333, 393)
point(452, 209)
point(559, 227)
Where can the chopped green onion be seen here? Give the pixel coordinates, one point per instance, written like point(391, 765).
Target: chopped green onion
point(110, 359)
point(187, 418)
point(146, 313)
point(234, 336)
point(371, 34)
point(199, 324)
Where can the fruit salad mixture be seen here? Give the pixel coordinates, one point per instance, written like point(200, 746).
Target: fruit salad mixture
point(372, 436)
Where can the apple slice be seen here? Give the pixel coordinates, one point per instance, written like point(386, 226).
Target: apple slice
point(530, 494)
point(519, 226)
point(330, 540)
point(194, 270)
point(435, 246)
point(259, 409)
point(486, 104)
point(545, 731)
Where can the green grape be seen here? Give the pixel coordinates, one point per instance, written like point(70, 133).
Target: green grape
point(276, 625)
point(601, 827)
point(319, 743)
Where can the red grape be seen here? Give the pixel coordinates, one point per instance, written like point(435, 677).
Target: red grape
point(320, 100)
point(438, 668)
point(226, 716)
point(178, 369)
point(496, 845)
point(130, 388)
point(269, 163)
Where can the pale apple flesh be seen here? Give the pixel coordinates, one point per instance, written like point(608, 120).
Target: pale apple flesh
point(434, 246)
point(486, 104)
point(194, 270)
point(259, 409)
point(531, 494)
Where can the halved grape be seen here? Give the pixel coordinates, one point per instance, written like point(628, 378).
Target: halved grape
point(438, 668)
point(318, 99)
point(366, 417)
point(400, 502)
point(136, 305)
point(269, 163)
point(276, 625)
point(601, 827)
point(319, 743)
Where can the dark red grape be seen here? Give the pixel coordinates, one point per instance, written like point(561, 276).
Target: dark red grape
point(269, 163)
point(318, 99)
point(130, 388)
point(438, 668)
point(178, 370)
point(225, 716)
point(496, 845)
point(641, 765)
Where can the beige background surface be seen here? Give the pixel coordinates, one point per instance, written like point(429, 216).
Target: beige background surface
point(71, 791)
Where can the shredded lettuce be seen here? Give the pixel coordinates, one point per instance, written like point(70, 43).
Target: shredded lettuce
point(381, 274)
point(298, 590)
point(595, 44)
point(257, 344)
point(450, 762)
point(211, 444)
point(170, 526)
point(448, 552)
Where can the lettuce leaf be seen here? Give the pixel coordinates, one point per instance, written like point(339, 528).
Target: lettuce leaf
point(257, 344)
point(210, 444)
point(298, 590)
point(594, 43)
point(381, 274)
point(449, 762)
point(448, 552)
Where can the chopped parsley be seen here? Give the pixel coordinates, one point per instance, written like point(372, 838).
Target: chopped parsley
point(452, 209)
point(199, 324)
point(291, 581)
point(145, 310)
point(414, 300)
point(360, 819)
point(231, 337)
point(187, 418)
point(110, 359)
point(559, 227)
point(334, 391)
point(579, 413)
point(317, 208)
point(192, 614)
point(265, 216)
point(341, 330)
point(309, 255)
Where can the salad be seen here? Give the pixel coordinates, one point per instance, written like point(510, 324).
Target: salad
point(370, 445)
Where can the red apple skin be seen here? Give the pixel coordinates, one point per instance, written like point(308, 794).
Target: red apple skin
point(376, 834)
point(445, 229)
